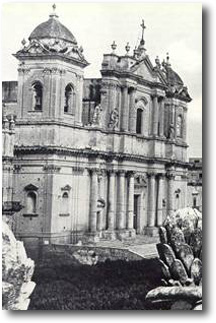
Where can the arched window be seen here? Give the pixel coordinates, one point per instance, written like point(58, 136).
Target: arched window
point(65, 195)
point(177, 206)
point(179, 126)
point(65, 204)
point(37, 96)
point(194, 202)
point(31, 203)
point(69, 99)
point(139, 121)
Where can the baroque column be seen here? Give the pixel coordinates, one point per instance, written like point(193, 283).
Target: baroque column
point(170, 198)
point(100, 220)
point(130, 211)
point(93, 201)
point(152, 200)
point(121, 201)
point(160, 200)
point(111, 198)
point(125, 110)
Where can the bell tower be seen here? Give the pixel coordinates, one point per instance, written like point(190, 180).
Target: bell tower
point(50, 75)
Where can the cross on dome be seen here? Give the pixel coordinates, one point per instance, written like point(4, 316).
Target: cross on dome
point(142, 42)
point(53, 14)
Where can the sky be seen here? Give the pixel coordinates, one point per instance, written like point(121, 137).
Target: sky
point(175, 28)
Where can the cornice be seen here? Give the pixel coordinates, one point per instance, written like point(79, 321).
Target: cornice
point(90, 153)
point(110, 131)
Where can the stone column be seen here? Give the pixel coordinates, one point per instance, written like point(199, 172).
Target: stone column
point(130, 211)
point(160, 200)
point(161, 117)
point(125, 110)
point(151, 201)
point(170, 198)
point(93, 201)
point(132, 112)
point(121, 201)
point(111, 199)
point(101, 178)
point(155, 116)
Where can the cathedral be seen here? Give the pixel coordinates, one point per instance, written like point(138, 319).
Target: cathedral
point(90, 159)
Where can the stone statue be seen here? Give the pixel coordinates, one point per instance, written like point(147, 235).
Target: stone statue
point(171, 132)
point(114, 119)
point(17, 271)
point(180, 252)
point(96, 118)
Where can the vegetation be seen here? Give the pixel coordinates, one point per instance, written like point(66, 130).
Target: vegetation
point(116, 285)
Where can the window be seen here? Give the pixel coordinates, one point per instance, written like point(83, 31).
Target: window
point(194, 202)
point(179, 126)
point(65, 195)
point(69, 99)
point(31, 203)
point(37, 96)
point(139, 121)
point(65, 204)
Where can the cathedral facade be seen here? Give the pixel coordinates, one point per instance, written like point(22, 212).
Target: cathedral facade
point(93, 158)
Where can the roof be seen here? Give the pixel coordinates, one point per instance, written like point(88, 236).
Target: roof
point(173, 78)
point(52, 28)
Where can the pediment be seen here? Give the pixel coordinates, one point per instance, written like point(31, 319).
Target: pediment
point(145, 69)
point(34, 47)
point(31, 187)
point(142, 69)
point(66, 188)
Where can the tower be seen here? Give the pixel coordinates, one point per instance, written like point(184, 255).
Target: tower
point(49, 109)
point(50, 74)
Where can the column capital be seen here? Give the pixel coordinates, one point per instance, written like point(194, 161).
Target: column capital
point(170, 176)
point(111, 171)
point(157, 93)
point(130, 173)
point(93, 170)
point(121, 172)
point(132, 87)
point(151, 174)
point(161, 175)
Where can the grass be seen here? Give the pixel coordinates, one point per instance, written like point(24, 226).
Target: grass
point(113, 285)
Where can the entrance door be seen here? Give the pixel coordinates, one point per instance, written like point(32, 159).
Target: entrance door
point(136, 211)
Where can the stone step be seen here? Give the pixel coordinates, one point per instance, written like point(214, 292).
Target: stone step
point(145, 251)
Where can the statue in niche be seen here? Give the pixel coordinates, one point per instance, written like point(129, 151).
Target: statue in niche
point(114, 119)
point(96, 118)
point(171, 132)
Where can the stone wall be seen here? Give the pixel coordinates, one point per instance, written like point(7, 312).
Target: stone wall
point(68, 254)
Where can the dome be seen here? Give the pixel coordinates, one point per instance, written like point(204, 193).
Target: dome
point(52, 28)
point(173, 78)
